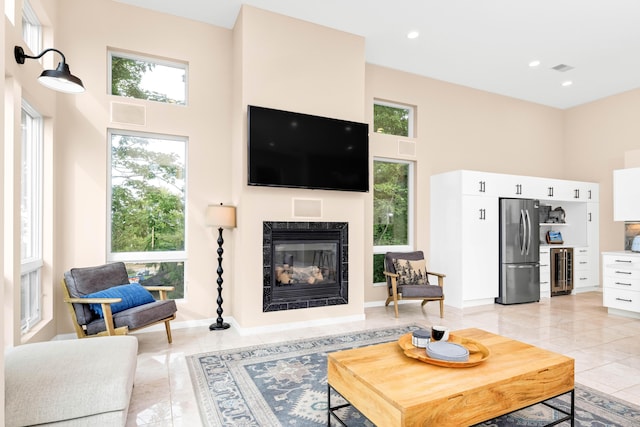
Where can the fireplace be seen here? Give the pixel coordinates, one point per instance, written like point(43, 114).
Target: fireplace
point(305, 264)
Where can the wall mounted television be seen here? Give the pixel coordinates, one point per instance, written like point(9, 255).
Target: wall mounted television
point(296, 150)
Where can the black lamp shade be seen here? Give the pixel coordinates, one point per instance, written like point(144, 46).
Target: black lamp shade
point(61, 80)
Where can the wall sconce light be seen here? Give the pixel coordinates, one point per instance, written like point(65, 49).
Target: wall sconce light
point(59, 79)
point(220, 216)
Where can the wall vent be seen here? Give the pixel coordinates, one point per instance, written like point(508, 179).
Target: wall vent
point(128, 113)
point(406, 148)
point(307, 208)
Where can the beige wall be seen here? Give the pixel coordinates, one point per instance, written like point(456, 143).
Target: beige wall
point(279, 62)
point(597, 136)
point(81, 134)
point(318, 71)
point(460, 128)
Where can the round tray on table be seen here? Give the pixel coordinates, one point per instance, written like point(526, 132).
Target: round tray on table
point(478, 353)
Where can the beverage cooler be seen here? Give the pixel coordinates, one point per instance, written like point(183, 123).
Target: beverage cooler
point(561, 271)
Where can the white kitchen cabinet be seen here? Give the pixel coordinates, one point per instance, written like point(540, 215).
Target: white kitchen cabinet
point(464, 240)
point(621, 283)
point(464, 229)
point(626, 194)
point(545, 271)
point(583, 272)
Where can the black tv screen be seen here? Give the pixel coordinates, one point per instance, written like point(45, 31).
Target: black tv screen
point(298, 150)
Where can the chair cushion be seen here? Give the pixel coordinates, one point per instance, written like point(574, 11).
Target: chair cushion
point(132, 295)
point(137, 317)
point(87, 280)
point(411, 272)
point(420, 291)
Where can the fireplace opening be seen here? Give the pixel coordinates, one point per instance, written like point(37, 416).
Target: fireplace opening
point(305, 265)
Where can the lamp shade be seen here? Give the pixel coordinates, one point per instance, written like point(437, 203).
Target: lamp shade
point(221, 216)
point(61, 80)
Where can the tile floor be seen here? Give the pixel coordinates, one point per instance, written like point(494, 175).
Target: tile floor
point(606, 348)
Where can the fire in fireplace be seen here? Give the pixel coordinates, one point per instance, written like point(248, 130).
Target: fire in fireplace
point(305, 264)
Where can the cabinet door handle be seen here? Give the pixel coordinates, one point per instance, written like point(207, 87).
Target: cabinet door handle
point(550, 191)
point(518, 188)
point(589, 217)
point(576, 193)
point(623, 284)
point(622, 272)
point(623, 299)
point(482, 187)
point(483, 214)
point(623, 260)
point(589, 194)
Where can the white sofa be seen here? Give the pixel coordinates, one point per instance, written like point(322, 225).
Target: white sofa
point(84, 382)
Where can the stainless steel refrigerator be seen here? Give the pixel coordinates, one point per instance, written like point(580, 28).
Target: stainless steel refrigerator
point(519, 251)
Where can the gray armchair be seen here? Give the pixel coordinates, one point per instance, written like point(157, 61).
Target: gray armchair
point(408, 279)
point(93, 315)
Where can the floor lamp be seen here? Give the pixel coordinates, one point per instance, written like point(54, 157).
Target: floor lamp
point(222, 217)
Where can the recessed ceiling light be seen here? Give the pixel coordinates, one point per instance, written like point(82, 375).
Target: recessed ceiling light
point(413, 34)
point(533, 64)
point(567, 83)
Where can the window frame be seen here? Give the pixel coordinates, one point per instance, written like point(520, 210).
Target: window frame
point(150, 59)
point(137, 257)
point(31, 28)
point(410, 119)
point(32, 159)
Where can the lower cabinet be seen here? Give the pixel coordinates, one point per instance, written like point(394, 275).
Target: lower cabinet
point(621, 283)
point(585, 270)
point(545, 271)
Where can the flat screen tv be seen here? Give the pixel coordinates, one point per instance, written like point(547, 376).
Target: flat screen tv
point(298, 150)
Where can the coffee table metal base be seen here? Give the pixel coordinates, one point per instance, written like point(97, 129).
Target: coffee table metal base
point(568, 416)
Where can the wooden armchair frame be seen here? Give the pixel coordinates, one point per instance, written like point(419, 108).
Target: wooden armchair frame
point(108, 316)
point(395, 296)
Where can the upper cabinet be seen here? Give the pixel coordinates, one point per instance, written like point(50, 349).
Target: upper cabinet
point(626, 194)
point(527, 187)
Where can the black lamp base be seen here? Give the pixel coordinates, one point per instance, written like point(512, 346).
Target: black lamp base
point(219, 326)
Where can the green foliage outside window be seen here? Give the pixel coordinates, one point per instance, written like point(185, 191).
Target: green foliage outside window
point(390, 209)
point(148, 205)
point(390, 203)
point(127, 80)
point(378, 268)
point(391, 120)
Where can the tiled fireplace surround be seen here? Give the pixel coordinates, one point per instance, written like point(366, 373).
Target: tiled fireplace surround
point(305, 264)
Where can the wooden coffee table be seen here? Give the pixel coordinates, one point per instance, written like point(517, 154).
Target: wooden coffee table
point(391, 389)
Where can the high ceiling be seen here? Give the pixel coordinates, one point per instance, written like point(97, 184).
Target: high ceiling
point(483, 44)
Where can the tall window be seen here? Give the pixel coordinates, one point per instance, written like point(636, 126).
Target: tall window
point(393, 119)
point(145, 78)
point(31, 28)
point(31, 218)
point(392, 210)
point(147, 207)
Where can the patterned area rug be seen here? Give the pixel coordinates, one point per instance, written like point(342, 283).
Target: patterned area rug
point(285, 384)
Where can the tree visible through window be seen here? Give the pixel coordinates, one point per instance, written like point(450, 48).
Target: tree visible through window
point(391, 210)
point(147, 207)
point(393, 119)
point(142, 78)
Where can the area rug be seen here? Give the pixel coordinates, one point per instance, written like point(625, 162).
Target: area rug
point(285, 384)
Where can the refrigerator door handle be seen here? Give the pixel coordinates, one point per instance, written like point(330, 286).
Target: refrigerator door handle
point(528, 231)
point(523, 232)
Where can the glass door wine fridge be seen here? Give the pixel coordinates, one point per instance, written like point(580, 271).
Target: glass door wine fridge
point(561, 271)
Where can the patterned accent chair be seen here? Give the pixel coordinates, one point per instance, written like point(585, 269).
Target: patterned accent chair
point(408, 279)
point(102, 302)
